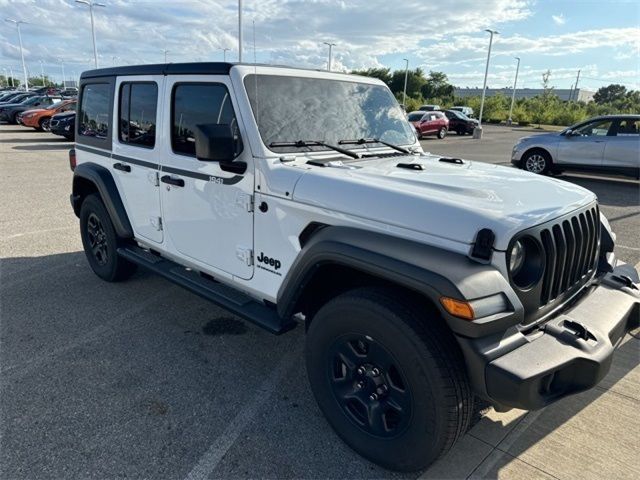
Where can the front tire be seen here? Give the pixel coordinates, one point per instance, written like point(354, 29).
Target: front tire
point(536, 161)
point(389, 377)
point(100, 242)
point(44, 125)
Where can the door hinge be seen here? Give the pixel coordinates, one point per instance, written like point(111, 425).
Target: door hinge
point(245, 201)
point(245, 254)
point(154, 178)
point(156, 222)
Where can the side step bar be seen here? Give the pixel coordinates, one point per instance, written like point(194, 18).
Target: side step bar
point(222, 295)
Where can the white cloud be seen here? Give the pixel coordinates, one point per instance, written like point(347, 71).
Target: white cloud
point(558, 19)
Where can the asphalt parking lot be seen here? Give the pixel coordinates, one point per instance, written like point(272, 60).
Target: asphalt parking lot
point(145, 380)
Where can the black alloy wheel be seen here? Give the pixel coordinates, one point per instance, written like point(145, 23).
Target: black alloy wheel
point(369, 385)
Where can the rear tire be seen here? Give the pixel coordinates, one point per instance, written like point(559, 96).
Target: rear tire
point(442, 133)
point(100, 242)
point(376, 341)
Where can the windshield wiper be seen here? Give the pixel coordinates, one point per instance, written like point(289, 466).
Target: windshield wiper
point(315, 143)
point(363, 141)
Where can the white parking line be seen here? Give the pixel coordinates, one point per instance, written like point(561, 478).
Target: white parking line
point(635, 249)
point(34, 232)
point(218, 449)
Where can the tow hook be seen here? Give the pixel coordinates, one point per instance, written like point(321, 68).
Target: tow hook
point(579, 330)
point(626, 281)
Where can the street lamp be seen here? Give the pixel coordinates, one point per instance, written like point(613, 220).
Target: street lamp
point(165, 54)
point(42, 74)
point(404, 92)
point(477, 132)
point(513, 95)
point(11, 70)
point(224, 53)
point(331, 45)
point(63, 76)
point(24, 67)
point(239, 31)
point(91, 4)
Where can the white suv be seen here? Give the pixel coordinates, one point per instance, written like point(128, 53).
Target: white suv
point(423, 282)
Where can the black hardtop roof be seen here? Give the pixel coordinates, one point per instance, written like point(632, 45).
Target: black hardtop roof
point(196, 68)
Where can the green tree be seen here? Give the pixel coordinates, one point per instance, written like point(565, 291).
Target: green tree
point(610, 94)
point(415, 81)
point(437, 86)
point(383, 74)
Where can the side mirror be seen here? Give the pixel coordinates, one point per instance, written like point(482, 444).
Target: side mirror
point(216, 143)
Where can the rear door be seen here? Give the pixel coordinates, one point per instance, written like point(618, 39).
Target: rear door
point(622, 148)
point(207, 211)
point(136, 150)
point(586, 146)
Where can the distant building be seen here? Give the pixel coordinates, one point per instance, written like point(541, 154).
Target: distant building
point(579, 94)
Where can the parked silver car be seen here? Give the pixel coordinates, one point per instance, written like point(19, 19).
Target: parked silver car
point(602, 144)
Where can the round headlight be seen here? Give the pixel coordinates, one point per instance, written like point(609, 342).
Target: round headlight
point(516, 258)
point(525, 262)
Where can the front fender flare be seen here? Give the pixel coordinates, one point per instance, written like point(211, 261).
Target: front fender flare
point(432, 271)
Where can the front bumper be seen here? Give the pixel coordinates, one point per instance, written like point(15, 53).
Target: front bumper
point(62, 129)
point(570, 353)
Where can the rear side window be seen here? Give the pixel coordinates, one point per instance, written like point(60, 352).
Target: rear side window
point(199, 104)
point(137, 117)
point(94, 112)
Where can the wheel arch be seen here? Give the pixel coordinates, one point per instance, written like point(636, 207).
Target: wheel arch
point(91, 178)
point(336, 259)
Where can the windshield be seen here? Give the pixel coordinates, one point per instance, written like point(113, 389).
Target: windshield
point(288, 109)
point(30, 100)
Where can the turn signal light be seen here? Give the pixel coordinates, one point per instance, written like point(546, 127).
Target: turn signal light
point(457, 308)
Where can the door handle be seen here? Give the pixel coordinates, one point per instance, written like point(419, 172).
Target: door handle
point(176, 182)
point(122, 166)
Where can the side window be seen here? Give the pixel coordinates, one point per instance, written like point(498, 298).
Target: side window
point(200, 104)
point(628, 127)
point(137, 116)
point(94, 114)
point(595, 129)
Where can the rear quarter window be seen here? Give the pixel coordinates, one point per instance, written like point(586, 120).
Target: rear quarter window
point(95, 114)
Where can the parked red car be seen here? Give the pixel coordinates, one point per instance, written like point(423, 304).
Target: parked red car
point(429, 123)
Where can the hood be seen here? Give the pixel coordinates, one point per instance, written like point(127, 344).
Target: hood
point(33, 110)
point(539, 136)
point(446, 200)
point(64, 115)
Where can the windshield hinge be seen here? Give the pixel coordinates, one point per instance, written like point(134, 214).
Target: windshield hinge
point(156, 222)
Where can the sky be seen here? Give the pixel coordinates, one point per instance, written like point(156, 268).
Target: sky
point(600, 38)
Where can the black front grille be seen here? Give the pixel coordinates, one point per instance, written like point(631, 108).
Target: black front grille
point(570, 251)
point(570, 247)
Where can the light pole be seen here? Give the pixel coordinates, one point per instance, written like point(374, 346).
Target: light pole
point(239, 31)
point(91, 4)
point(477, 132)
point(331, 45)
point(224, 54)
point(11, 70)
point(404, 92)
point(42, 74)
point(24, 67)
point(165, 54)
point(63, 76)
point(513, 95)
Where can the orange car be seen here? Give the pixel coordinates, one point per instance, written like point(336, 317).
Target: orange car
point(39, 118)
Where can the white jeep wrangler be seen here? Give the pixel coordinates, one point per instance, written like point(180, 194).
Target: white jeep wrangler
point(424, 282)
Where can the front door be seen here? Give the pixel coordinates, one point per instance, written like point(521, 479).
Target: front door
point(136, 150)
point(207, 211)
point(585, 146)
